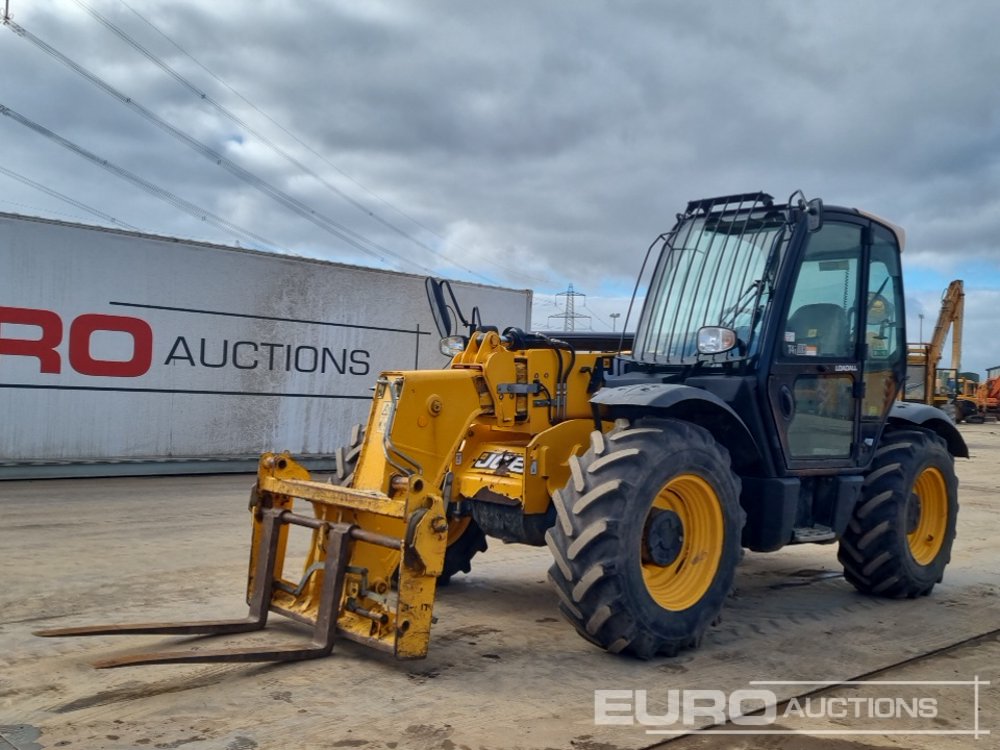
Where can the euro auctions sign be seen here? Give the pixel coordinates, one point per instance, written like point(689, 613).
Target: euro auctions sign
point(820, 707)
point(49, 328)
point(116, 345)
point(132, 338)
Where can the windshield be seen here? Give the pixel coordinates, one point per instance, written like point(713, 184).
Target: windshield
point(713, 270)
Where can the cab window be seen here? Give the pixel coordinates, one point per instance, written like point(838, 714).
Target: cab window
point(821, 320)
point(884, 345)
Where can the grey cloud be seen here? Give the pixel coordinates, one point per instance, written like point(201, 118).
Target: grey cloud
point(556, 138)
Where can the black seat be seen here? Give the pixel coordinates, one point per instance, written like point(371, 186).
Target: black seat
point(822, 325)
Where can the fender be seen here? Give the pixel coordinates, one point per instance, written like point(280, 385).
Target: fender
point(683, 402)
point(904, 413)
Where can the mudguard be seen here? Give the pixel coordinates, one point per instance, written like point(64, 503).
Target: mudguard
point(682, 402)
point(905, 413)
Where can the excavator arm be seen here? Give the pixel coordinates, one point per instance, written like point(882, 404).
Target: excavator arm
point(927, 356)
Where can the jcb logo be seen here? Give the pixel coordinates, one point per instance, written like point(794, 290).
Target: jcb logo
point(501, 462)
point(81, 330)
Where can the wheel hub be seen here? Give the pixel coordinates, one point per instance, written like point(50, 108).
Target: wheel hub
point(927, 516)
point(664, 537)
point(913, 513)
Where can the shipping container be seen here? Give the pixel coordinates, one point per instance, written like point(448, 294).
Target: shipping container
point(123, 352)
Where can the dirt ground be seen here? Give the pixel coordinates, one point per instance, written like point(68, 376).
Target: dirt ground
point(504, 671)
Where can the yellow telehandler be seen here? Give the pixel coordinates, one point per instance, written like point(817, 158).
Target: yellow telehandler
point(755, 406)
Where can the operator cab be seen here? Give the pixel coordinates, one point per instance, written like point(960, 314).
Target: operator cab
point(791, 314)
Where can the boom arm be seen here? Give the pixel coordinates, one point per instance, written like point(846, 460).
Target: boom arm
point(928, 356)
point(952, 312)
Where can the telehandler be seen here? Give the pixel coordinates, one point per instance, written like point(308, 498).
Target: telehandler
point(754, 407)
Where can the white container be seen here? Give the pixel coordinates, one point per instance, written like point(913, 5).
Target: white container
point(129, 353)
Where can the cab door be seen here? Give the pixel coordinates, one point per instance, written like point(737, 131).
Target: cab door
point(816, 379)
point(884, 340)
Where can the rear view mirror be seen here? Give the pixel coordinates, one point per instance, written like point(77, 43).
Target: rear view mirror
point(439, 307)
point(814, 214)
point(812, 209)
point(445, 309)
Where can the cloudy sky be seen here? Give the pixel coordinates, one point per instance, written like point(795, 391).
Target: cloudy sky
point(531, 144)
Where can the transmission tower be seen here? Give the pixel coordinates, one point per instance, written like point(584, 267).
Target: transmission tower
point(569, 316)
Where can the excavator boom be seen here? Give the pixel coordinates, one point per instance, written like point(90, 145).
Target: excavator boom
point(923, 358)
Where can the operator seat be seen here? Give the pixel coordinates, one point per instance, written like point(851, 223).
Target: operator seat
point(822, 325)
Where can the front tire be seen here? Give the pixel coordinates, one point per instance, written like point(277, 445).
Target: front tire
point(647, 537)
point(899, 540)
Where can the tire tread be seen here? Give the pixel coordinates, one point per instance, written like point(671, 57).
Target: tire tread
point(873, 549)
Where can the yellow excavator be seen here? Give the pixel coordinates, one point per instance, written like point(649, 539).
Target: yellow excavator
point(926, 383)
point(755, 406)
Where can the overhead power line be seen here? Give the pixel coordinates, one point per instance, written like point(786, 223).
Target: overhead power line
point(319, 155)
point(594, 314)
point(204, 97)
point(293, 204)
point(65, 198)
point(161, 193)
point(270, 119)
point(323, 158)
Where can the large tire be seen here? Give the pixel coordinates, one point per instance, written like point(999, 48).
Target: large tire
point(465, 538)
point(967, 411)
point(465, 541)
point(346, 457)
point(647, 537)
point(899, 540)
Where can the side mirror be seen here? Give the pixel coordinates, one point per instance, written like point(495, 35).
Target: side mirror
point(445, 309)
point(814, 214)
point(439, 307)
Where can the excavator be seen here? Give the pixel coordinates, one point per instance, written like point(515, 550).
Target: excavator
point(966, 400)
point(755, 406)
point(987, 396)
point(926, 383)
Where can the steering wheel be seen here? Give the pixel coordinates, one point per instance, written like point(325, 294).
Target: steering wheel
point(880, 309)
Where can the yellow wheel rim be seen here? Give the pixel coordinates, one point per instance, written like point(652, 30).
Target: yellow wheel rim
point(683, 582)
point(456, 528)
point(927, 537)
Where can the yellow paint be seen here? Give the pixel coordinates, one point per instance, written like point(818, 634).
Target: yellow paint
point(684, 582)
point(926, 539)
point(422, 426)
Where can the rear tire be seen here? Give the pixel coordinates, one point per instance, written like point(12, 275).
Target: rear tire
point(899, 540)
point(647, 537)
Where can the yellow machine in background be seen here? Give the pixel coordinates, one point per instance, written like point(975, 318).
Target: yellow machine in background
point(926, 383)
point(987, 396)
